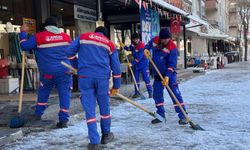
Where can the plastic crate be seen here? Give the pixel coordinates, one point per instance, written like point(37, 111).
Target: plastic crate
point(8, 86)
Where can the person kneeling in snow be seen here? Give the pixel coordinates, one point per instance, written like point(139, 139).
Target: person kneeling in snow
point(165, 55)
point(97, 56)
point(49, 47)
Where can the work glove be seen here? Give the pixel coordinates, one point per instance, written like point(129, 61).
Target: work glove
point(165, 81)
point(122, 45)
point(147, 53)
point(130, 65)
point(127, 53)
point(114, 92)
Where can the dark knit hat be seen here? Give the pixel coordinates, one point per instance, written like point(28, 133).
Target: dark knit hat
point(164, 33)
point(135, 36)
point(51, 21)
point(102, 30)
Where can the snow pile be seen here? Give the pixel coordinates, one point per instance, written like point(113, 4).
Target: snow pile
point(218, 101)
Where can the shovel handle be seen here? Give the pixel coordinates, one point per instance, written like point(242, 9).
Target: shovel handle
point(70, 67)
point(169, 90)
point(132, 73)
point(22, 84)
point(135, 104)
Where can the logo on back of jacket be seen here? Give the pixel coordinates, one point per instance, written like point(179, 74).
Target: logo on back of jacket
point(99, 38)
point(54, 38)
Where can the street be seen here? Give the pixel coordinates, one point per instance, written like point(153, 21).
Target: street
point(217, 101)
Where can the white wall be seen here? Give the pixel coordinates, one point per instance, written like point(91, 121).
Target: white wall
point(84, 26)
point(199, 45)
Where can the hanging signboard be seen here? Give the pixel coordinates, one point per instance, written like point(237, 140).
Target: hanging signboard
point(150, 24)
point(31, 24)
point(175, 26)
point(84, 13)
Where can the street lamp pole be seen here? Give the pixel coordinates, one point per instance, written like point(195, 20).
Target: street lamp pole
point(185, 46)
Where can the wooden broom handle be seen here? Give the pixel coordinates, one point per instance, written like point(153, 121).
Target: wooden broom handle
point(132, 73)
point(134, 103)
point(22, 84)
point(69, 66)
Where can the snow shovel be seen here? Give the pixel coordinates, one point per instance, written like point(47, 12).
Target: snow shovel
point(193, 126)
point(153, 114)
point(19, 121)
point(133, 76)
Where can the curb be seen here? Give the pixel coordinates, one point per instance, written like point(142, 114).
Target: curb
point(8, 138)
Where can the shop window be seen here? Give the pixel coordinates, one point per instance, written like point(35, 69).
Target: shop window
point(189, 47)
point(65, 11)
point(15, 10)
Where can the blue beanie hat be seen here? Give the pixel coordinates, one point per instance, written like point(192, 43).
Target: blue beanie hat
point(135, 36)
point(51, 21)
point(164, 33)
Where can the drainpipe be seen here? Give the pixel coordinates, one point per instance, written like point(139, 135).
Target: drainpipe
point(99, 10)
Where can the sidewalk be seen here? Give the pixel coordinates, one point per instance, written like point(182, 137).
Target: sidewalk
point(9, 104)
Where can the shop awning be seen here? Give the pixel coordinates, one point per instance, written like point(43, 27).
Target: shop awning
point(212, 33)
point(232, 39)
point(198, 20)
point(170, 7)
point(214, 36)
point(195, 23)
point(180, 11)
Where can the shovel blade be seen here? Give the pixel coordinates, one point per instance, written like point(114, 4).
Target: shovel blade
point(142, 96)
point(196, 126)
point(156, 115)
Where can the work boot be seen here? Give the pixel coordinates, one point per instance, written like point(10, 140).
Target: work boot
point(136, 95)
point(62, 124)
point(93, 147)
point(150, 95)
point(182, 122)
point(107, 138)
point(155, 121)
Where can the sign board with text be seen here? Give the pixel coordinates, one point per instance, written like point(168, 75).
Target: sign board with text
point(84, 13)
point(31, 24)
point(150, 24)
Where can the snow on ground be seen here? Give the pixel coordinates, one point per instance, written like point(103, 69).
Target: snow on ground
point(217, 101)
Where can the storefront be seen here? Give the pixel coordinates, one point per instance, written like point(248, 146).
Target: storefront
point(120, 16)
point(13, 12)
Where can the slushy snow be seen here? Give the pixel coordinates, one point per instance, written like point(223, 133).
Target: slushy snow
point(218, 101)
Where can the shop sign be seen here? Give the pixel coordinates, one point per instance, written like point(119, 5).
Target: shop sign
point(204, 29)
point(30, 24)
point(84, 13)
point(182, 4)
point(175, 26)
point(150, 24)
